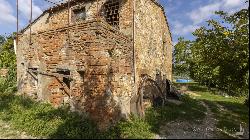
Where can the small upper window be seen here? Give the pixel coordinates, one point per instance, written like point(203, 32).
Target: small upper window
point(79, 14)
point(111, 12)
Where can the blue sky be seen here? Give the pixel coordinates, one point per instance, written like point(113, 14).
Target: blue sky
point(184, 16)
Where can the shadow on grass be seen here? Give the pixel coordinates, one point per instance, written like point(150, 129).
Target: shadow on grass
point(190, 110)
point(42, 120)
point(198, 88)
point(7, 100)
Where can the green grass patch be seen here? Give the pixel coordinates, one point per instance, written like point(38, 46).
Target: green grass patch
point(135, 128)
point(191, 86)
point(42, 120)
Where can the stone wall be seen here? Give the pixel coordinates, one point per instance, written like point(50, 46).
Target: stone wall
point(153, 45)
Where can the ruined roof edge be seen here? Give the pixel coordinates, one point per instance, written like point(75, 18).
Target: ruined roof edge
point(58, 7)
point(74, 1)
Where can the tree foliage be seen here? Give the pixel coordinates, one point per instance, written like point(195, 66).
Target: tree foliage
point(182, 56)
point(219, 54)
point(7, 61)
point(2, 40)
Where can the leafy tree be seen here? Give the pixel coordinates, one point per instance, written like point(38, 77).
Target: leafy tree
point(220, 54)
point(181, 57)
point(2, 39)
point(218, 57)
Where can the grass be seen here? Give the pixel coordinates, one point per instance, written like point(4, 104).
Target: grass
point(8, 132)
point(43, 121)
point(136, 128)
point(191, 110)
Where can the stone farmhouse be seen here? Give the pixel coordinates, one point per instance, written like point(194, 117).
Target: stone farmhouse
point(105, 59)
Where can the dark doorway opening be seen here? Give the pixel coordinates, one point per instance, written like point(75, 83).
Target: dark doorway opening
point(66, 76)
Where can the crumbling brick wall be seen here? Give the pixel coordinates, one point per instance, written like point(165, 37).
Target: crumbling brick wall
point(89, 65)
point(102, 54)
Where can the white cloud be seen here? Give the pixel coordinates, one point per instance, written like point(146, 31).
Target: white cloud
point(233, 3)
point(204, 13)
point(6, 14)
point(181, 29)
point(25, 8)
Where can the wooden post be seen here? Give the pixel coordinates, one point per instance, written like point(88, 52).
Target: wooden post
point(16, 22)
point(30, 19)
point(68, 20)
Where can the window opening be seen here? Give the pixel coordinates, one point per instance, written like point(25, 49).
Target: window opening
point(111, 12)
point(79, 14)
point(66, 81)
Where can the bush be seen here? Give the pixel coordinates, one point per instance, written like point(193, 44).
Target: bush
point(42, 120)
point(8, 84)
point(135, 128)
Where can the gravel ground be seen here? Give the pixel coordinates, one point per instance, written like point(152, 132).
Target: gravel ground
point(185, 130)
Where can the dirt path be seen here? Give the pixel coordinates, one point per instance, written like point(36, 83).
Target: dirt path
point(6, 132)
point(186, 130)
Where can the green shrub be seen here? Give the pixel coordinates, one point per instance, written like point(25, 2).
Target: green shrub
point(44, 121)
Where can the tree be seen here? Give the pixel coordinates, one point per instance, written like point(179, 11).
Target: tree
point(181, 57)
point(8, 61)
point(7, 54)
point(220, 54)
point(2, 40)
